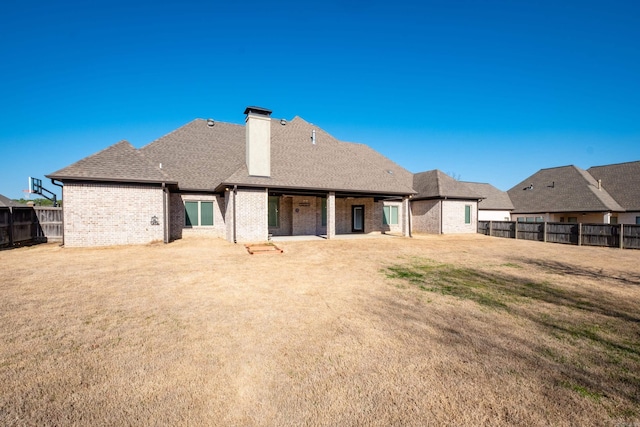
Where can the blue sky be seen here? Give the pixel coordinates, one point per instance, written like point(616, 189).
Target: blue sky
point(484, 90)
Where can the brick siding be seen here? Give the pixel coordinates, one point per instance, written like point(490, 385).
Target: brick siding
point(177, 221)
point(107, 214)
point(252, 215)
point(453, 217)
point(425, 216)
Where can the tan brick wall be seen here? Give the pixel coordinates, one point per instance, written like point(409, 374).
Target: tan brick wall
point(372, 215)
point(304, 215)
point(177, 221)
point(425, 216)
point(109, 214)
point(252, 215)
point(453, 217)
point(228, 216)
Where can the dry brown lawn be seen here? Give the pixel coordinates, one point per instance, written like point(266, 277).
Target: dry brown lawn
point(434, 330)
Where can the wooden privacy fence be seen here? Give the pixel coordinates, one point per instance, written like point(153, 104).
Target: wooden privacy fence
point(49, 223)
point(28, 224)
point(623, 236)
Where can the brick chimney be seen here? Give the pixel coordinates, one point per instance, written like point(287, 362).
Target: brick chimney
point(258, 131)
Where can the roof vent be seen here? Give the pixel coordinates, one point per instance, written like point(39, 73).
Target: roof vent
point(389, 171)
point(313, 137)
point(210, 123)
point(283, 122)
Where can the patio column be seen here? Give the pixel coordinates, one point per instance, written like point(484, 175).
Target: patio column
point(406, 214)
point(331, 215)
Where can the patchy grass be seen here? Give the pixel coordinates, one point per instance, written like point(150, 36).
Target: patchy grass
point(446, 279)
point(593, 344)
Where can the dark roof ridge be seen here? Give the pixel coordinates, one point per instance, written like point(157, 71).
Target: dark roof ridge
point(615, 164)
point(560, 167)
point(476, 182)
point(182, 127)
point(167, 134)
point(300, 119)
point(372, 164)
point(438, 181)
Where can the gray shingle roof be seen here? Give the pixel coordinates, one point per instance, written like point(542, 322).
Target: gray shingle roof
point(198, 156)
point(328, 164)
point(561, 189)
point(202, 157)
point(493, 198)
point(622, 182)
point(435, 184)
point(119, 162)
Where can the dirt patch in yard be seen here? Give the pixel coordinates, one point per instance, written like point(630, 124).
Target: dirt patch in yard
point(434, 330)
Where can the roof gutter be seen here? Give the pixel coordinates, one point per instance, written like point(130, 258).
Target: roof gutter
point(93, 179)
point(363, 193)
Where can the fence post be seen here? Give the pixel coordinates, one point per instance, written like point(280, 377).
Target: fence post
point(515, 228)
point(490, 228)
point(580, 234)
point(10, 227)
point(544, 232)
point(621, 236)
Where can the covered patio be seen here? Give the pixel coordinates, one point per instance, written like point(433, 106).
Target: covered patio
point(327, 215)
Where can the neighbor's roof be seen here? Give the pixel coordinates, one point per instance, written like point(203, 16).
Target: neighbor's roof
point(202, 157)
point(6, 202)
point(493, 198)
point(622, 182)
point(436, 184)
point(119, 162)
point(561, 189)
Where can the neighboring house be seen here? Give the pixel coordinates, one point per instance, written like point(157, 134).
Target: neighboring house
point(622, 182)
point(566, 194)
point(6, 202)
point(443, 205)
point(495, 204)
point(17, 222)
point(241, 183)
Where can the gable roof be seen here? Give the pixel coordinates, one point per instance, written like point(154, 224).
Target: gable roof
point(435, 184)
point(493, 198)
point(203, 157)
point(119, 162)
point(622, 182)
point(561, 189)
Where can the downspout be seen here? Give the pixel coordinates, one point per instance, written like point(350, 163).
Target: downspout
point(441, 213)
point(409, 213)
point(165, 217)
point(235, 194)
